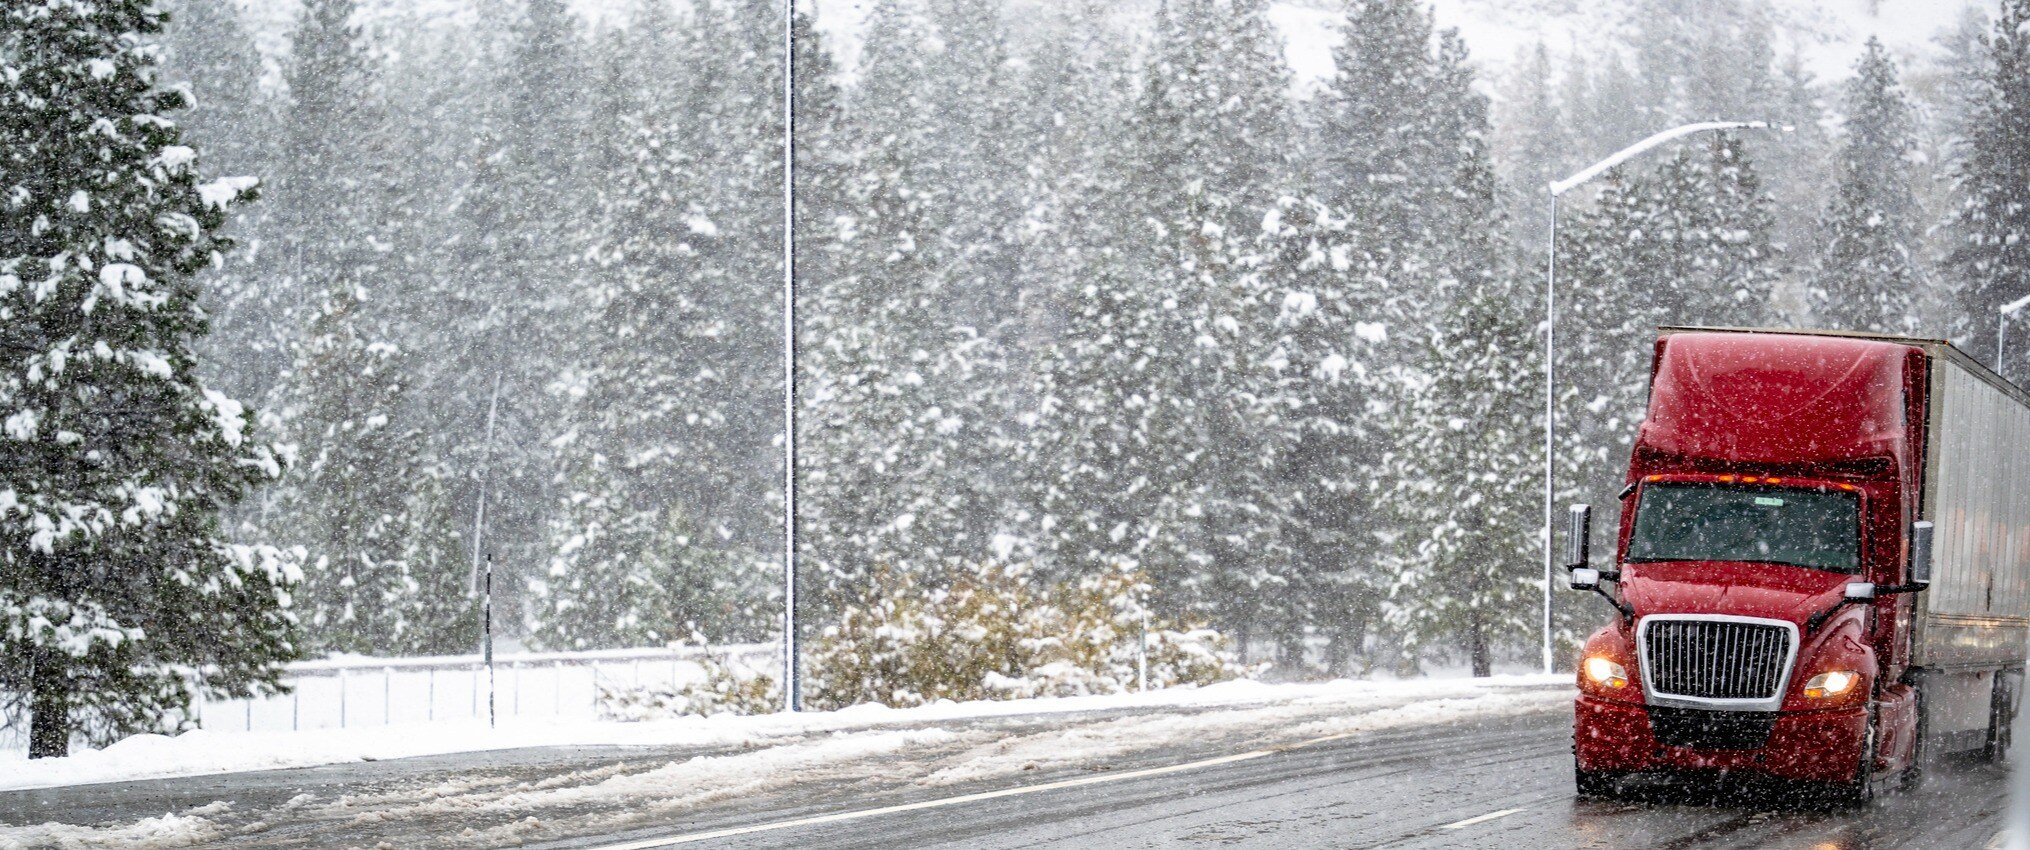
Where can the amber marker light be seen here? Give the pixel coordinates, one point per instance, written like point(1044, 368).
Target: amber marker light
point(1605, 673)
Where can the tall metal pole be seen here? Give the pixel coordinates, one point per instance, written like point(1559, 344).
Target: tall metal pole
point(792, 690)
point(1550, 418)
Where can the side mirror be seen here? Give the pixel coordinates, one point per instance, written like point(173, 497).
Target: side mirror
point(1585, 579)
point(1857, 592)
point(1579, 539)
point(1920, 553)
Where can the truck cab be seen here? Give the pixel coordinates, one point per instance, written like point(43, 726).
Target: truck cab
point(1771, 565)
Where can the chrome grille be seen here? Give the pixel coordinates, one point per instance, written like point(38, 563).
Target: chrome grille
point(1707, 659)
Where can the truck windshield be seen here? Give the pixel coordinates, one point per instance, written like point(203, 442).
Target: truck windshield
point(1820, 529)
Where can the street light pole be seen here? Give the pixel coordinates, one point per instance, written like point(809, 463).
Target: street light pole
point(792, 679)
point(1557, 189)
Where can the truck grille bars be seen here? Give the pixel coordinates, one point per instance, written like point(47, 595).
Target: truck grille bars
point(1709, 661)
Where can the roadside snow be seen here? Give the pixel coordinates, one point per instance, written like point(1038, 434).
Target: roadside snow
point(169, 830)
point(209, 752)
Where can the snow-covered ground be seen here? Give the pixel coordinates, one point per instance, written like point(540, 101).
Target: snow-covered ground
point(1301, 710)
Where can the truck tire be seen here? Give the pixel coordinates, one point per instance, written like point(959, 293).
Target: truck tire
point(1592, 784)
point(1861, 792)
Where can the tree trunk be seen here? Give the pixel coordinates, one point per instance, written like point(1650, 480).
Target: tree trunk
point(49, 726)
point(1483, 656)
point(1336, 655)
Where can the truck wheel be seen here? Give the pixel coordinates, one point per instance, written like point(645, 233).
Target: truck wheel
point(1592, 784)
point(1861, 791)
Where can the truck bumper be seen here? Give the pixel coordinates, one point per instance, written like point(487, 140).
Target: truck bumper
point(1816, 746)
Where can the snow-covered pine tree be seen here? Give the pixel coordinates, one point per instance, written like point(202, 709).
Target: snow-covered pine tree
point(1180, 436)
point(510, 295)
point(895, 386)
point(1466, 575)
point(1409, 157)
point(1866, 276)
point(1991, 228)
point(1072, 193)
point(385, 571)
point(745, 181)
point(651, 402)
point(1459, 471)
point(975, 156)
point(1686, 243)
point(1712, 259)
point(1796, 169)
point(120, 597)
point(1606, 321)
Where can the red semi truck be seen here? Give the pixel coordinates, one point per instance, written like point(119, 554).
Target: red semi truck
point(1778, 609)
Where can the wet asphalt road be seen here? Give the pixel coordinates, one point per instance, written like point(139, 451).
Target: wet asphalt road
point(1424, 789)
point(1497, 782)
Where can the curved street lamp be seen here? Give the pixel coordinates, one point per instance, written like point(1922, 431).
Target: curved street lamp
point(1558, 188)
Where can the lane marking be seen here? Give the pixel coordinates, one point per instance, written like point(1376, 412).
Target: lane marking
point(646, 843)
point(1462, 824)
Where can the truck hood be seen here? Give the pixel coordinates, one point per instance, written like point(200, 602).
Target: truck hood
point(1770, 591)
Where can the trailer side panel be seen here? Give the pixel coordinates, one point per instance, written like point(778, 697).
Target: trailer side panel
point(1977, 612)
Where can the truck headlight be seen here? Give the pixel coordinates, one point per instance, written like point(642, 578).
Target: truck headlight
point(1830, 684)
point(1605, 672)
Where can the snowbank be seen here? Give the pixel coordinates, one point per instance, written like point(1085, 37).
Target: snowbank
point(207, 752)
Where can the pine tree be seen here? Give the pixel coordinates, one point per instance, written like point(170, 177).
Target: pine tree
point(1457, 470)
point(521, 239)
point(640, 555)
point(120, 597)
point(1465, 481)
point(1409, 170)
point(1866, 276)
point(1171, 425)
point(1991, 253)
point(382, 550)
point(899, 391)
